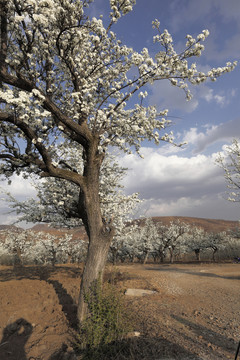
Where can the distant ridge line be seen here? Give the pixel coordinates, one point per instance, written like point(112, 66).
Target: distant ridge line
point(211, 225)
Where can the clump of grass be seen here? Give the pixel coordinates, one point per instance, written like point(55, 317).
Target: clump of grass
point(107, 322)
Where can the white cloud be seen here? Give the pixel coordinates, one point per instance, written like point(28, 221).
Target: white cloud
point(221, 98)
point(216, 207)
point(19, 186)
point(20, 189)
point(209, 96)
point(177, 185)
point(170, 176)
point(223, 132)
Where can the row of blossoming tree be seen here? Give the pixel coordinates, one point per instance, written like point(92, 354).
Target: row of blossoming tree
point(158, 242)
point(65, 78)
point(19, 247)
point(142, 241)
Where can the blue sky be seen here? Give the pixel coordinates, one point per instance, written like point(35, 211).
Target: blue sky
point(173, 181)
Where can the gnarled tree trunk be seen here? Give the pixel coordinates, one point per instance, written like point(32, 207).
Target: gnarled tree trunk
point(100, 231)
point(94, 268)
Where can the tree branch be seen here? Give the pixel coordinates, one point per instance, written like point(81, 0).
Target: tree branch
point(3, 49)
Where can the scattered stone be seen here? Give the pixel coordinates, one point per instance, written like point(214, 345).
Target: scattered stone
point(196, 313)
point(211, 346)
point(139, 292)
point(133, 334)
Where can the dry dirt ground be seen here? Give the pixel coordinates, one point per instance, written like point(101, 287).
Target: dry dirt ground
point(195, 313)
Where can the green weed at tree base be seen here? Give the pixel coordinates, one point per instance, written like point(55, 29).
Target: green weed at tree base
point(107, 322)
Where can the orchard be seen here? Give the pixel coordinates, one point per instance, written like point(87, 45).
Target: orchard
point(66, 83)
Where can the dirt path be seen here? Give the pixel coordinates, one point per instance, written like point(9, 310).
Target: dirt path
point(195, 313)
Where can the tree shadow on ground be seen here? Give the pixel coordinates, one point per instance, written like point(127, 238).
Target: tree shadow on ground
point(15, 336)
point(68, 306)
point(210, 336)
point(144, 348)
point(44, 273)
point(168, 268)
point(38, 272)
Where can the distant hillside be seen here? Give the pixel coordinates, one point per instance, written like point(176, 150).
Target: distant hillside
point(209, 225)
point(10, 227)
point(77, 233)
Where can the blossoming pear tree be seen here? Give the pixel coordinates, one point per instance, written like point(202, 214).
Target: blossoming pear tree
point(147, 236)
point(229, 161)
point(66, 77)
point(195, 241)
point(16, 242)
point(56, 200)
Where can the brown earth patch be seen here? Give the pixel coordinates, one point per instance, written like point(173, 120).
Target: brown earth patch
point(194, 315)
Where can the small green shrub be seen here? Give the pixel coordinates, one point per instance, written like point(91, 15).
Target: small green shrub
point(107, 321)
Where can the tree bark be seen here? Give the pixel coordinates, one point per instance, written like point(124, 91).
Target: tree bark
point(94, 268)
point(197, 253)
point(171, 256)
point(100, 231)
point(145, 257)
point(214, 253)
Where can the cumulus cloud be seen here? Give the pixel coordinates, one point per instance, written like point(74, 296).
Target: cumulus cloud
point(20, 189)
point(223, 132)
point(212, 206)
point(177, 185)
point(221, 98)
point(171, 176)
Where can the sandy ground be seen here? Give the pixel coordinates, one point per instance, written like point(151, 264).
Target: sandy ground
point(195, 313)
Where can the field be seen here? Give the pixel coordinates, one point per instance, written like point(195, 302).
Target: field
point(194, 314)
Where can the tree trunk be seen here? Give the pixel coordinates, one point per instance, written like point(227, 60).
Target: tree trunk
point(145, 257)
point(197, 253)
point(171, 256)
point(100, 231)
point(214, 253)
point(114, 256)
point(17, 258)
point(161, 257)
point(94, 268)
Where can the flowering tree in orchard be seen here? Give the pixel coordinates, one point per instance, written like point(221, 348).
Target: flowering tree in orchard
point(57, 199)
point(147, 235)
point(40, 247)
point(123, 243)
point(195, 241)
point(169, 239)
point(214, 242)
point(230, 163)
point(66, 77)
point(16, 242)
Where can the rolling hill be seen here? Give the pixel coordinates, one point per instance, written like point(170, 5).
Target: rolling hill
point(209, 225)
